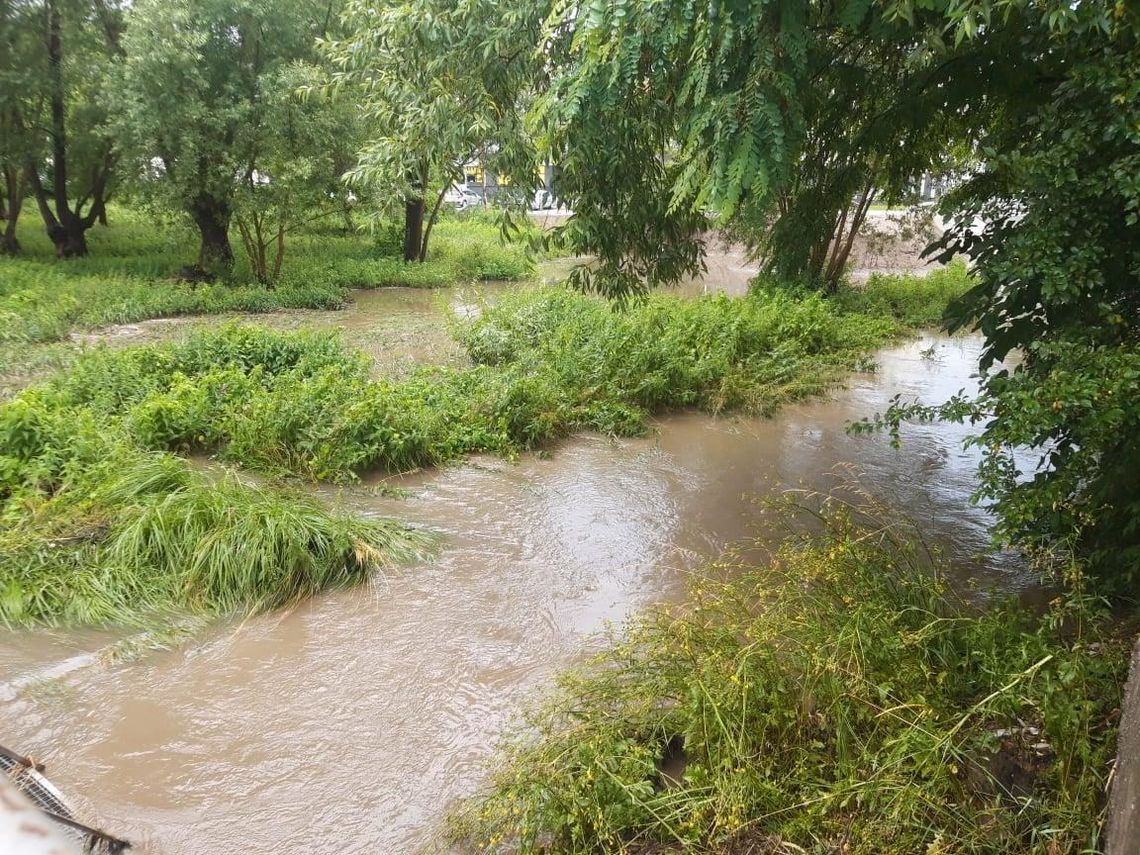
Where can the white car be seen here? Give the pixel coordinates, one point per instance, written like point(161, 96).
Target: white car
point(461, 197)
point(543, 201)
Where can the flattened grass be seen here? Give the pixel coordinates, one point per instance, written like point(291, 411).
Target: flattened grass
point(830, 701)
point(96, 530)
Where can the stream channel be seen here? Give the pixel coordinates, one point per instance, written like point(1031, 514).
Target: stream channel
point(349, 723)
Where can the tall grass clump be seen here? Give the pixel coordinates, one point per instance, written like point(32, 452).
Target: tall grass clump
point(832, 700)
point(916, 301)
point(94, 529)
point(712, 352)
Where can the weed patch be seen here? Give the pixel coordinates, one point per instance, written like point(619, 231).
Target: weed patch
point(101, 523)
point(832, 700)
point(917, 301)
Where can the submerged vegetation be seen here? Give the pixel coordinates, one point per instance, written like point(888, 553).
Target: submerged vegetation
point(834, 699)
point(96, 531)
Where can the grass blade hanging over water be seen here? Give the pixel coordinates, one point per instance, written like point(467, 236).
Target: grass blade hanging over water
point(157, 538)
point(837, 698)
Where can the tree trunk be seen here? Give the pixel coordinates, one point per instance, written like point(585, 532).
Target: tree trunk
point(844, 242)
point(280, 256)
point(70, 237)
point(9, 243)
point(431, 223)
point(14, 194)
point(65, 227)
point(413, 229)
point(213, 221)
point(67, 232)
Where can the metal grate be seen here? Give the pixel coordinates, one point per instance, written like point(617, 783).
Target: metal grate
point(27, 778)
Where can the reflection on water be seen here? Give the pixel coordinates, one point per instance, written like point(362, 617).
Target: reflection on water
point(348, 723)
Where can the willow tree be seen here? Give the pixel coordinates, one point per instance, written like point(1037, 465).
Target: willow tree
point(55, 146)
point(293, 176)
point(197, 97)
point(437, 84)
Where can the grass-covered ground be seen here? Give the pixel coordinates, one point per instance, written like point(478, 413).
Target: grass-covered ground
point(834, 699)
point(91, 534)
point(131, 273)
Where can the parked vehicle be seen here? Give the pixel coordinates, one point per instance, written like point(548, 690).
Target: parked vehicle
point(461, 197)
point(543, 201)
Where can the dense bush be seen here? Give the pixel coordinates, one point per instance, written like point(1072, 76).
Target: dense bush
point(833, 700)
point(666, 352)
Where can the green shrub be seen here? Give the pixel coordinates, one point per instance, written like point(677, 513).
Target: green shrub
point(547, 362)
point(667, 352)
point(95, 529)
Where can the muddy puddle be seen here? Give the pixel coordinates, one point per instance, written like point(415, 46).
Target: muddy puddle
point(349, 723)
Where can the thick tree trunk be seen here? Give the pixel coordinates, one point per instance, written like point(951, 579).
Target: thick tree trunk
point(66, 227)
point(9, 243)
point(70, 237)
point(413, 229)
point(213, 221)
point(67, 231)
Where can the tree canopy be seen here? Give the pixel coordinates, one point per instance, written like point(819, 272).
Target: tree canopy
point(439, 84)
point(203, 106)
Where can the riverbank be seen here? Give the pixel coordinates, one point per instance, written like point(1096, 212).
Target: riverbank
point(835, 696)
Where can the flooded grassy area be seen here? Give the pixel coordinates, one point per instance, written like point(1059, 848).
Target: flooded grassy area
point(536, 558)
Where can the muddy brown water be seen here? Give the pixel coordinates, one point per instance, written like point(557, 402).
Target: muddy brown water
point(349, 723)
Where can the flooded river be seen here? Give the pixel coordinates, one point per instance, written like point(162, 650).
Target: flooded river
point(349, 723)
